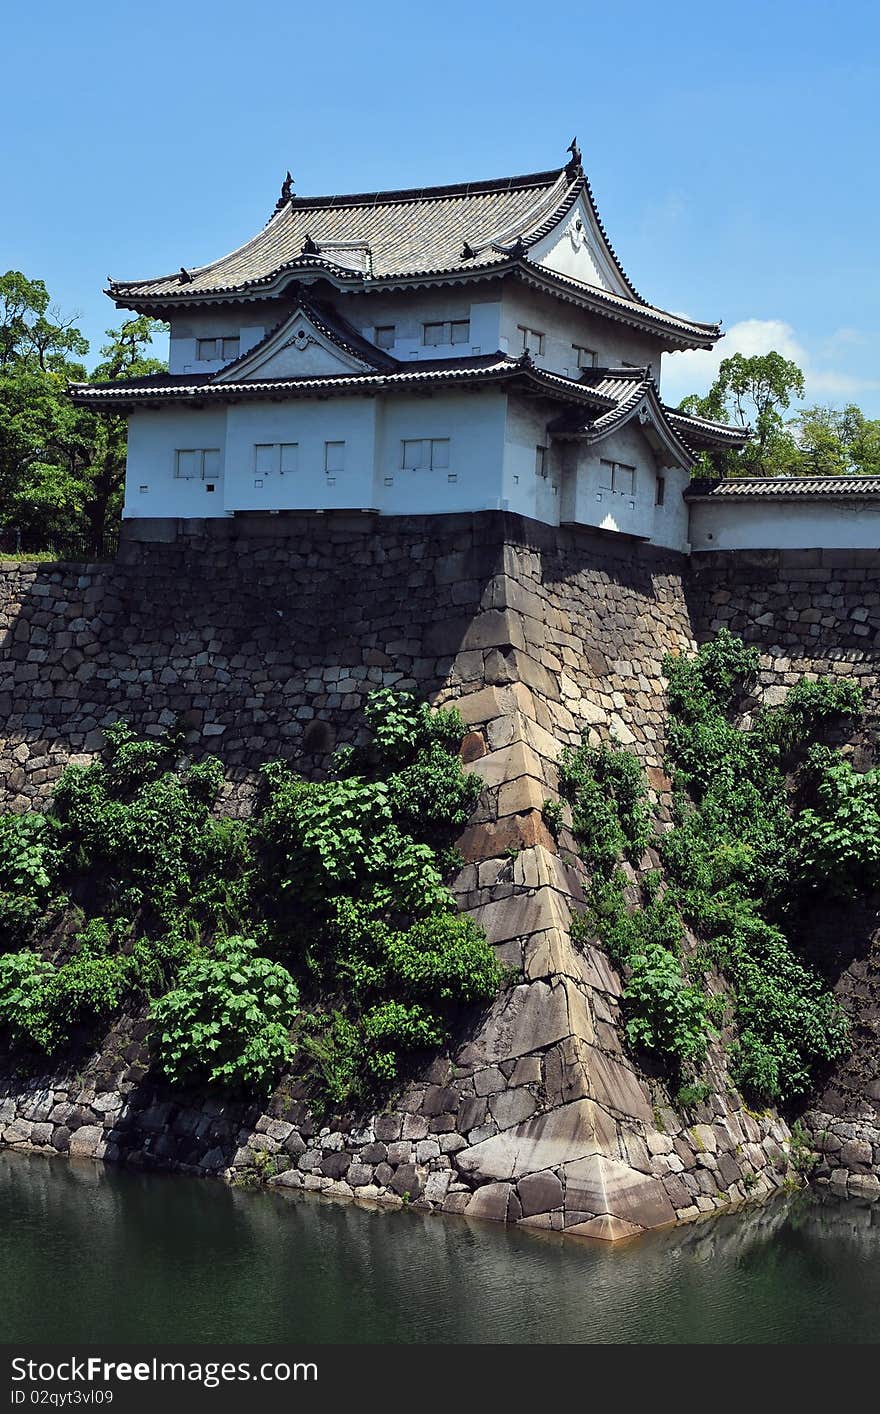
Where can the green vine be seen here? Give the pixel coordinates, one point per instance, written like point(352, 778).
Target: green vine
point(321, 926)
point(764, 819)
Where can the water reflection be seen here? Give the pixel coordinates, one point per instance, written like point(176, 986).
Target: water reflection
point(88, 1253)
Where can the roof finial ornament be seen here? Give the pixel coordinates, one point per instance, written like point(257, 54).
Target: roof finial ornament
point(184, 278)
point(574, 168)
point(519, 250)
point(310, 247)
point(286, 192)
point(468, 252)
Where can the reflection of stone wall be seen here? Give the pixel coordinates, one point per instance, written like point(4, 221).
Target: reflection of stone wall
point(267, 645)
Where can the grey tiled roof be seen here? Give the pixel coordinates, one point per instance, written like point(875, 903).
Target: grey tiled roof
point(485, 368)
point(702, 432)
point(405, 233)
point(627, 389)
point(743, 488)
point(380, 239)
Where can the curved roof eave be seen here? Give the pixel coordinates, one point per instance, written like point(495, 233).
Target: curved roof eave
point(644, 392)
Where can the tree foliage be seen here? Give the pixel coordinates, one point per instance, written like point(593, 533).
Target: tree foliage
point(332, 891)
point(756, 391)
point(764, 820)
point(62, 468)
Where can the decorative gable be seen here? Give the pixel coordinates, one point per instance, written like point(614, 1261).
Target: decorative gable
point(301, 347)
point(577, 247)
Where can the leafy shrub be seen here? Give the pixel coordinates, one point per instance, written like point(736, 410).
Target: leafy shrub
point(609, 808)
point(788, 1022)
point(228, 1019)
point(23, 979)
point(665, 1013)
point(343, 879)
point(838, 836)
point(136, 831)
point(30, 860)
point(808, 709)
point(42, 1005)
point(747, 847)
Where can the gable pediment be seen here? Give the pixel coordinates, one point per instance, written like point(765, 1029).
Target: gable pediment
point(299, 348)
point(577, 247)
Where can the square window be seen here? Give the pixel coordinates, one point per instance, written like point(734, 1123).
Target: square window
point(532, 339)
point(265, 458)
point(289, 459)
point(586, 358)
point(334, 457)
point(460, 331)
point(384, 336)
point(606, 473)
point(439, 453)
point(230, 347)
point(189, 464)
point(624, 480)
point(435, 333)
point(211, 462)
point(413, 455)
point(206, 348)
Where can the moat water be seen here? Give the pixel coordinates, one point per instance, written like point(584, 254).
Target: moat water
point(90, 1253)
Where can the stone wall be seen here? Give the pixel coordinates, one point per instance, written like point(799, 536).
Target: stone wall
point(265, 643)
point(818, 611)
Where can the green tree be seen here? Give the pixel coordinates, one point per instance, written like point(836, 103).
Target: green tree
point(38, 434)
point(754, 391)
point(103, 474)
point(835, 442)
point(62, 468)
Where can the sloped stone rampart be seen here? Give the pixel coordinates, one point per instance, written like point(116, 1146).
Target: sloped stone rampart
point(266, 644)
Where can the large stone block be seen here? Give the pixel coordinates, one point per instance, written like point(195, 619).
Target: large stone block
point(85, 1140)
point(539, 1193)
point(492, 1201)
point(600, 1185)
point(528, 1018)
point(543, 1142)
point(605, 1228)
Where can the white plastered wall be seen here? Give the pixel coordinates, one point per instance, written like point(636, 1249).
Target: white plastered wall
point(151, 486)
point(563, 326)
point(785, 525)
point(576, 248)
point(310, 425)
point(585, 501)
point(408, 311)
point(472, 481)
point(246, 322)
point(524, 490)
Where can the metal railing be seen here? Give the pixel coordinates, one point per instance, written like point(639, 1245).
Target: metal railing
point(76, 548)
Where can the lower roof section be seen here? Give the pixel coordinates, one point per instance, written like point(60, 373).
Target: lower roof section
point(784, 488)
point(473, 370)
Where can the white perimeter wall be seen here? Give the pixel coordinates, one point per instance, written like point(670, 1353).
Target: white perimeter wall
point(786, 525)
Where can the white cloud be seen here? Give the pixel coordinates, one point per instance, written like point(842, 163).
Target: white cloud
point(695, 369)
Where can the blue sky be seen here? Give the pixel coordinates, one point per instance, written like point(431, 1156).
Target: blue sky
point(732, 149)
